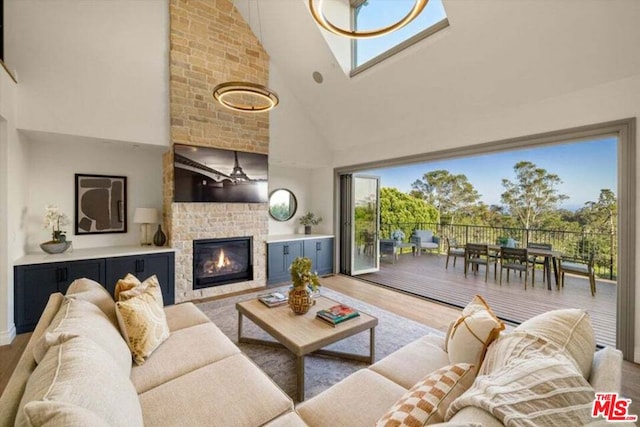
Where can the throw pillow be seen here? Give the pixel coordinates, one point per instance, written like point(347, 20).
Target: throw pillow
point(130, 287)
point(143, 323)
point(472, 333)
point(427, 401)
point(527, 380)
point(568, 328)
point(127, 283)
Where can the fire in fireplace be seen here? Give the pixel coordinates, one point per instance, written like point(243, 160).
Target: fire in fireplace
point(222, 261)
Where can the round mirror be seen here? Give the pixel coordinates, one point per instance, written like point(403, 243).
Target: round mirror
point(282, 204)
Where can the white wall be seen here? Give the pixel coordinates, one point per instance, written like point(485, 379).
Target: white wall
point(12, 203)
point(92, 67)
point(299, 182)
point(52, 165)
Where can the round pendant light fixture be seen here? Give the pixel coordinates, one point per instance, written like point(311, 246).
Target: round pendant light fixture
point(321, 19)
point(245, 97)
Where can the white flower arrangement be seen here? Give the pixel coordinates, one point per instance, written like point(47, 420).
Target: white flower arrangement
point(398, 235)
point(54, 219)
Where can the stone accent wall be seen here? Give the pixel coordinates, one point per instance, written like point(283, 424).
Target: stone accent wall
point(210, 44)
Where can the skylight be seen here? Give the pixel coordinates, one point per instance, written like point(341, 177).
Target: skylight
point(372, 14)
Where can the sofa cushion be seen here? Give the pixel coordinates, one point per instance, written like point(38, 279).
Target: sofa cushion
point(52, 413)
point(605, 362)
point(79, 372)
point(413, 362)
point(360, 399)
point(180, 316)
point(290, 419)
point(475, 329)
point(81, 318)
point(92, 291)
point(204, 343)
point(230, 392)
point(427, 401)
point(570, 329)
point(143, 323)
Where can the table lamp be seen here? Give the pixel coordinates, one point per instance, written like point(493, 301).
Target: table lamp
point(145, 217)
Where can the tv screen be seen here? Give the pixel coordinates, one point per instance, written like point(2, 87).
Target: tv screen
point(205, 174)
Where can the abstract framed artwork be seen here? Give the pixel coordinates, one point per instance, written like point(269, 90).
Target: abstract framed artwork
point(100, 204)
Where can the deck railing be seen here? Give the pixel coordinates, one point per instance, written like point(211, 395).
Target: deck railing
point(570, 243)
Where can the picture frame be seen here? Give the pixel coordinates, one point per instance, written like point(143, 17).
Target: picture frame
point(100, 204)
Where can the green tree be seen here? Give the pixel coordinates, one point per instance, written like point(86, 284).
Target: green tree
point(401, 210)
point(449, 194)
point(600, 216)
point(533, 193)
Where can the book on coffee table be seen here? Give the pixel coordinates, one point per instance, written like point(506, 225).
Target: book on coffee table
point(337, 314)
point(273, 299)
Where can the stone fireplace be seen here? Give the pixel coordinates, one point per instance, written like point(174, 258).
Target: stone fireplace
point(210, 43)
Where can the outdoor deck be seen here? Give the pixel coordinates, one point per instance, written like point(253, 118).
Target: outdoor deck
point(426, 276)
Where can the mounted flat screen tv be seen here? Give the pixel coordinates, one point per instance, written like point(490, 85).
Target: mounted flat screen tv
point(205, 174)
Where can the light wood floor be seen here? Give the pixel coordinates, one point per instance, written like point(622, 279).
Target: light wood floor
point(432, 314)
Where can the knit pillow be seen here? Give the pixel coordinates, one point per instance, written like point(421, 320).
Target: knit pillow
point(472, 333)
point(427, 401)
point(143, 323)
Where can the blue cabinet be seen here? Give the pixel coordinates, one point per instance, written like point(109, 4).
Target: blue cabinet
point(280, 255)
point(143, 267)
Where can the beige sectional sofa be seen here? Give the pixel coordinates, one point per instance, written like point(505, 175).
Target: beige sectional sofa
point(196, 377)
point(199, 377)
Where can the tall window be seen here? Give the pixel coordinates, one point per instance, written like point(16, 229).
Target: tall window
point(372, 14)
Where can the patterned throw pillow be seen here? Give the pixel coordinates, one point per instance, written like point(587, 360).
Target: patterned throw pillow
point(143, 322)
point(128, 283)
point(427, 401)
point(469, 337)
point(151, 284)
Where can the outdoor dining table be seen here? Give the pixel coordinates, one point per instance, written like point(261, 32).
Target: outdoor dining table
point(550, 259)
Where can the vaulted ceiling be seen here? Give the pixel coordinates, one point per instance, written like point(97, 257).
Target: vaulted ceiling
point(496, 54)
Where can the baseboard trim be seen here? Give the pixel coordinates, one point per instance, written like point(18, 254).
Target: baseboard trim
point(7, 337)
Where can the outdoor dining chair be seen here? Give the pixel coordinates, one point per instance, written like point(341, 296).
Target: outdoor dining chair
point(476, 255)
point(453, 250)
point(515, 259)
point(581, 266)
point(539, 259)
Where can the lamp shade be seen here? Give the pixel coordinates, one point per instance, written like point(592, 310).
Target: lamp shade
point(145, 216)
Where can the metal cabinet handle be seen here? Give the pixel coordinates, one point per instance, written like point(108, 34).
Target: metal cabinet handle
point(318, 246)
point(286, 249)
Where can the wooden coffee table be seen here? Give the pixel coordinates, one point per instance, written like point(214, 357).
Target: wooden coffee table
point(304, 334)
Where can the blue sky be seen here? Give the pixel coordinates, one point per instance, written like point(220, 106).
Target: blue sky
point(584, 167)
point(382, 13)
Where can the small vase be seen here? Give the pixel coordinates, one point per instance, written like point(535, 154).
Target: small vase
point(300, 300)
point(307, 229)
point(159, 239)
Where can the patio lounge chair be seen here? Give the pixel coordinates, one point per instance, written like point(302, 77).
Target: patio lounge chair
point(453, 249)
point(424, 239)
point(580, 267)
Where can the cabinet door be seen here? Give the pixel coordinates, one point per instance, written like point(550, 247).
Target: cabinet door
point(321, 253)
point(91, 269)
point(279, 257)
point(144, 266)
point(32, 286)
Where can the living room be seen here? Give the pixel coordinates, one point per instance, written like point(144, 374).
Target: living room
point(98, 88)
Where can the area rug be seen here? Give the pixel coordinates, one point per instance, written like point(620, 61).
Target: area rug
point(392, 333)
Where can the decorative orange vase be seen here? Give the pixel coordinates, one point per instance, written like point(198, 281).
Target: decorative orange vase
point(300, 300)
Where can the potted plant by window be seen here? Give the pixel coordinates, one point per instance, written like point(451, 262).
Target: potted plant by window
point(54, 219)
point(308, 220)
point(304, 281)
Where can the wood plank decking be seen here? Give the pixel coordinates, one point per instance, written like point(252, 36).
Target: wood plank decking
point(426, 276)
